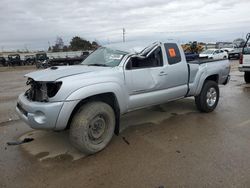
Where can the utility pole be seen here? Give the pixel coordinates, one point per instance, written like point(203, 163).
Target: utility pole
point(123, 34)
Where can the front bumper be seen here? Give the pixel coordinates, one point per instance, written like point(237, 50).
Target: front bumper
point(38, 115)
point(45, 115)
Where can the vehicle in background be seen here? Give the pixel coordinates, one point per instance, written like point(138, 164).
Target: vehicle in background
point(29, 60)
point(64, 61)
point(235, 54)
point(41, 59)
point(116, 79)
point(214, 54)
point(191, 56)
point(192, 50)
point(227, 49)
point(3, 61)
point(14, 59)
point(244, 62)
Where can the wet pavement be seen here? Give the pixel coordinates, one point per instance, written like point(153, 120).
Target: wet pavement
point(170, 145)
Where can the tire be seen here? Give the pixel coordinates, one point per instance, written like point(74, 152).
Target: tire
point(225, 57)
point(85, 134)
point(247, 77)
point(208, 98)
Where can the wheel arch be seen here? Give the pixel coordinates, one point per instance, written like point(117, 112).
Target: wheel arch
point(212, 77)
point(109, 98)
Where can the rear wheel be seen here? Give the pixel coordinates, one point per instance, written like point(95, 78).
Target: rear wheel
point(208, 98)
point(92, 127)
point(247, 77)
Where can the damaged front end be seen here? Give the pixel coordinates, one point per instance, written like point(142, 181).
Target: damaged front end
point(41, 91)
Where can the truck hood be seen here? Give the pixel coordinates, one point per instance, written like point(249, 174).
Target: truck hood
point(55, 73)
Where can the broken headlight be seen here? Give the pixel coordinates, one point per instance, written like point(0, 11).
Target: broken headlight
point(42, 91)
point(53, 88)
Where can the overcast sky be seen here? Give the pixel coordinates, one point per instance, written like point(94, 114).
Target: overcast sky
point(33, 24)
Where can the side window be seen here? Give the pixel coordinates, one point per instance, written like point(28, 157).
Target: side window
point(153, 60)
point(173, 53)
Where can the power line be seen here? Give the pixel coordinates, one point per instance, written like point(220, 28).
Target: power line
point(123, 34)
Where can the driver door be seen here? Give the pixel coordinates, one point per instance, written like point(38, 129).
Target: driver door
point(143, 76)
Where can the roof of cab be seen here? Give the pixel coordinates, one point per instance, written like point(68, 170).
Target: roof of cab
point(130, 47)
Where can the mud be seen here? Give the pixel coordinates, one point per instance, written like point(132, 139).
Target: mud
point(170, 145)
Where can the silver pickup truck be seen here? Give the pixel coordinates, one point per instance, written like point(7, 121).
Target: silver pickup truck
point(89, 98)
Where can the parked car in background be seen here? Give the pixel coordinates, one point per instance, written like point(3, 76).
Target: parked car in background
point(116, 79)
point(3, 61)
point(41, 59)
point(244, 63)
point(29, 59)
point(14, 59)
point(235, 54)
point(59, 61)
point(191, 56)
point(227, 49)
point(214, 54)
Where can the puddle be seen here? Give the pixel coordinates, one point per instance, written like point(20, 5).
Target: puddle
point(48, 145)
point(157, 114)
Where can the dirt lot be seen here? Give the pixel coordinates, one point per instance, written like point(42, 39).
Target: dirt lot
point(171, 145)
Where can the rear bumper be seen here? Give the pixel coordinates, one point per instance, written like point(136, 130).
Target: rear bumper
point(234, 55)
point(244, 69)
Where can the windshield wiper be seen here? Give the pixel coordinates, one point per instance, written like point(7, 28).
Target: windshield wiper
point(97, 64)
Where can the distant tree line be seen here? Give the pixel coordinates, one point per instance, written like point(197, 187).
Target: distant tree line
point(76, 43)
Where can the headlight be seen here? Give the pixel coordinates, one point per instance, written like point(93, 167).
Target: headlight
point(41, 91)
point(53, 88)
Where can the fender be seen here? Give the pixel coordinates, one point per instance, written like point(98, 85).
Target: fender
point(87, 91)
point(200, 83)
point(106, 87)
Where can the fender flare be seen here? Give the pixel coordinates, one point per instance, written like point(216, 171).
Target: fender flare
point(82, 93)
point(100, 88)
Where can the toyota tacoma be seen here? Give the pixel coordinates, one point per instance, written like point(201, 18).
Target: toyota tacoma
point(89, 99)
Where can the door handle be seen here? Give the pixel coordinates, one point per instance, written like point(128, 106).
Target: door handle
point(162, 73)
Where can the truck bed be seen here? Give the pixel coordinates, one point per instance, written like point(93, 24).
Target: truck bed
point(201, 61)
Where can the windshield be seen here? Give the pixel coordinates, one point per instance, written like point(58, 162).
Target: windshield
point(207, 52)
point(104, 57)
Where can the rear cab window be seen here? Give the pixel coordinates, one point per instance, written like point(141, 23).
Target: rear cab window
point(173, 53)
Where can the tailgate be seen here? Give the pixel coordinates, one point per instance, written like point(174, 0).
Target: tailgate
point(246, 57)
point(246, 60)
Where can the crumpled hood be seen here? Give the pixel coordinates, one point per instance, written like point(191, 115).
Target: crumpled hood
point(55, 73)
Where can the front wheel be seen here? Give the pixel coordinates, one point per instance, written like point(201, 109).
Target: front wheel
point(208, 98)
point(247, 77)
point(92, 127)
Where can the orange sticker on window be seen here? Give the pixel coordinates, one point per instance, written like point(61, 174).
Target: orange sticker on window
point(171, 52)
